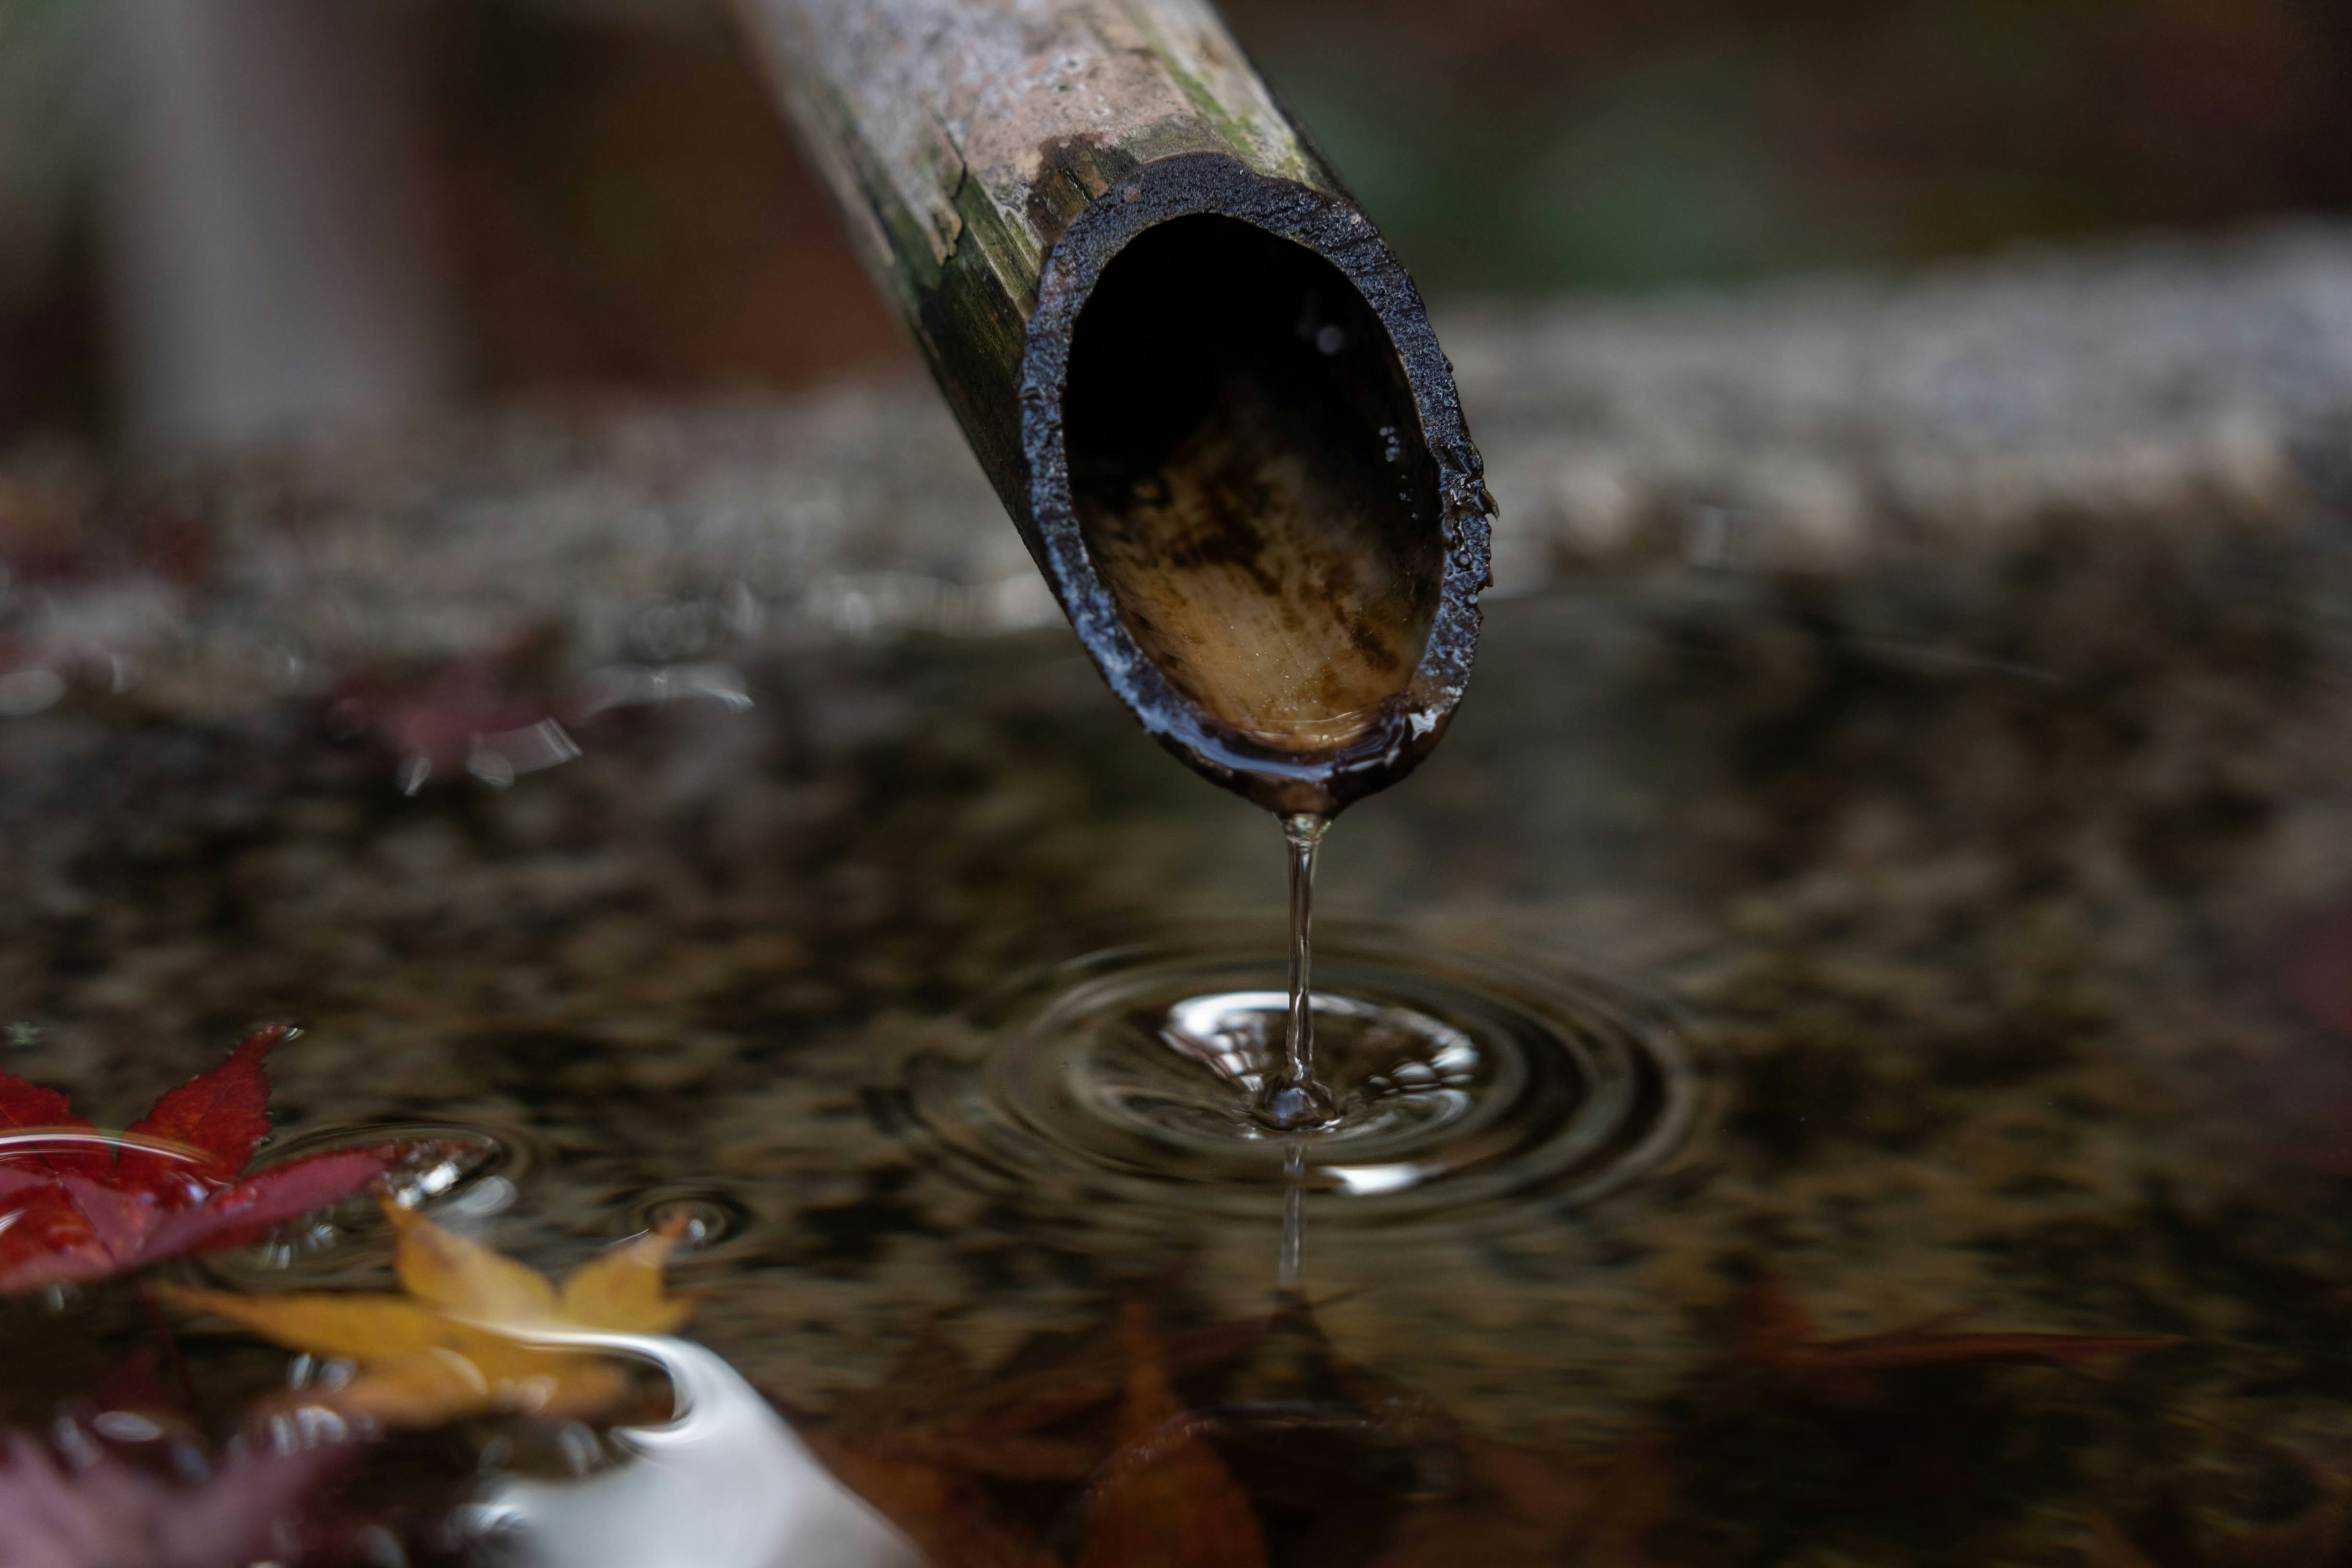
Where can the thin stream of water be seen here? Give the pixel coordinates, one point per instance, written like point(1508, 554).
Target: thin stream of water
point(1303, 835)
point(1294, 1100)
point(1294, 1213)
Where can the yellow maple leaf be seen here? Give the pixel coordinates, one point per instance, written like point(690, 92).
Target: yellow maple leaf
point(456, 1343)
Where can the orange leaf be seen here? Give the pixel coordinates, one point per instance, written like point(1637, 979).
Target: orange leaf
point(451, 1346)
point(622, 1290)
point(463, 1279)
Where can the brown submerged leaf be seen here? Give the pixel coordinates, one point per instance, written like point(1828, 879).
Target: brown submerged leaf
point(2320, 1537)
point(1775, 1333)
point(936, 1409)
point(934, 1447)
point(942, 1510)
point(2109, 1547)
point(1525, 1508)
point(1164, 1500)
point(957, 1459)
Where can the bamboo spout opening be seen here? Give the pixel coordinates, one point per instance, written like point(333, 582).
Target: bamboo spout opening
point(1251, 482)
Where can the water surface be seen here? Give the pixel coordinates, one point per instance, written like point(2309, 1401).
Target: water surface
point(2003, 909)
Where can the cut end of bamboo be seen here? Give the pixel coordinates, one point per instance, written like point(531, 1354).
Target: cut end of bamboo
point(1249, 512)
point(1251, 483)
point(1207, 393)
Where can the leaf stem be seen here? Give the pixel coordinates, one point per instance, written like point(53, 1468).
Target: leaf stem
point(170, 1343)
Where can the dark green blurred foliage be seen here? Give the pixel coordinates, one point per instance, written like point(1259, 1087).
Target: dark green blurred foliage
point(1518, 145)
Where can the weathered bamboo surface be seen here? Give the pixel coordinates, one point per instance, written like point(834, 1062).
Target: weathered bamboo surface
point(999, 120)
point(961, 137)
point(1812, 427)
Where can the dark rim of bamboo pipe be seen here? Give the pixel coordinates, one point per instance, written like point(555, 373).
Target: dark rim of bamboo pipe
point(1217, 185)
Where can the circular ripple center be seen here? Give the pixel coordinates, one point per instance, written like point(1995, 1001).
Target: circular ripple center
point(1457, 1081)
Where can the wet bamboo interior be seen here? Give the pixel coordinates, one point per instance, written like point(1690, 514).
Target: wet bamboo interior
point(1251, 484)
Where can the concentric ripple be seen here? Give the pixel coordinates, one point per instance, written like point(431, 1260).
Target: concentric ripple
point(449, 1168)
point(716, 1225)
point(1460, 1082)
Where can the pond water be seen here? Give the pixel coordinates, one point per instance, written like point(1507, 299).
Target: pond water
point(1931, 1145)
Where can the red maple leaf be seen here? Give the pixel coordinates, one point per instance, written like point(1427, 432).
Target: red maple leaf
point(79, 1203)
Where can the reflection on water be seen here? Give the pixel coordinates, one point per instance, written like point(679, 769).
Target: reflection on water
point(1816, 1102)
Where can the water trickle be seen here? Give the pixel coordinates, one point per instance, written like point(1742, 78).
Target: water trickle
point(1293, 1100)
point(1294, 1217)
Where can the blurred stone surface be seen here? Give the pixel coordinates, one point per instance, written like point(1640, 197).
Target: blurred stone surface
point(1809, 426)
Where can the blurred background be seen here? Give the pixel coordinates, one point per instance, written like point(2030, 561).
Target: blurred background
point(226, 217)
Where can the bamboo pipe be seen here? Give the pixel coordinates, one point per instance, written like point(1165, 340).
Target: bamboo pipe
point(1206, 392)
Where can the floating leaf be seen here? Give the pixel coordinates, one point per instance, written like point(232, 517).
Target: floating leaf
point(623, 1288)
point(224, 1112)
point(76, 1203)
point(456, 1343)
